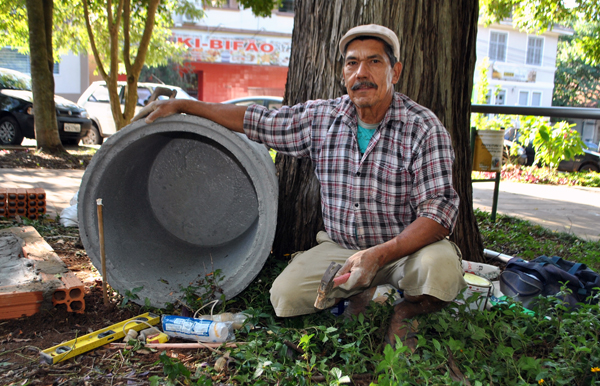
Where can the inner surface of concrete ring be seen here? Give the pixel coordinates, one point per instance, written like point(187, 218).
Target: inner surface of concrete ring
point(182, 197)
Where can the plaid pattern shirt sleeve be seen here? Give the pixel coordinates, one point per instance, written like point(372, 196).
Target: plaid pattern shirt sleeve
point(288, 130)
point(369, 198)
point(433, 194)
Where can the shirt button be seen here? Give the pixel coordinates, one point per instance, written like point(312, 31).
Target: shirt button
point(358, 174)
point(356, 205)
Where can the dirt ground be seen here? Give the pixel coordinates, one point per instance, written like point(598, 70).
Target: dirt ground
point(21, 340)
point(30, 158)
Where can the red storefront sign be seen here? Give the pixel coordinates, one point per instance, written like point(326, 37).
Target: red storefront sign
point(235, 49)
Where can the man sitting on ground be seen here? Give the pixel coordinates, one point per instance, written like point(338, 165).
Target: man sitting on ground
point(384, 164)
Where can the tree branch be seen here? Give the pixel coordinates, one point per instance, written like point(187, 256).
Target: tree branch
point(90, 32)
point(126, 38)
point(145, 41)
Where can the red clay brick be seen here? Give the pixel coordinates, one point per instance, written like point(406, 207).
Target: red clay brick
point(70, 293)
point(16, 304)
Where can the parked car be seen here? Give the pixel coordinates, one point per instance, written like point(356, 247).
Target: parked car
point(97, 102)
point(16, 112)
point(591, 145)
point(588, 161)
point(270, 102)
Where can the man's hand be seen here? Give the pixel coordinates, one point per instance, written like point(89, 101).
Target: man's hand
point(363, 267)
point(157, 109)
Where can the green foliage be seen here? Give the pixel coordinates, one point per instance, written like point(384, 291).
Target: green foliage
point(537, 16)
point(543, 175)
point(173, 369)
point(130, 295)
point(262, 8)
point(203, 291)
point(576, 82)
point(552, 143)
point(13, 21)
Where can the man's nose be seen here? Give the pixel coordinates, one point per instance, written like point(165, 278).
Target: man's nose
point(362, 70)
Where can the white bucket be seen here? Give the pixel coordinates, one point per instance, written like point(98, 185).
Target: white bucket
point(487, 155)
point(476, 284)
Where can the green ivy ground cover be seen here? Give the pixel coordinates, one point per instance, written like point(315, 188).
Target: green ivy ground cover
point(502, 346)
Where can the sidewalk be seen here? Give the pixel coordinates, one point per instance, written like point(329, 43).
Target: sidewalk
point(561, 208)
point(565, 209)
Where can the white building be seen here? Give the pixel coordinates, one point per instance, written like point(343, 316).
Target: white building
point(522, 65)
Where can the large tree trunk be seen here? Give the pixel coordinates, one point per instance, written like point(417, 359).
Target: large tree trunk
point(437, 48)
point(39, 15)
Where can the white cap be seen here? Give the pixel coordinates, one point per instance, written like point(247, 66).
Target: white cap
point(378, 31)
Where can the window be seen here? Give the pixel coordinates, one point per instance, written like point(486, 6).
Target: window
point(523, 98)
point(14, 80)
point(227, 4)
point(488, 97)
point(500, 97)
point(143, 94)
point(536, 98)
point(498, 46)
point(535, 48)
point(287, 6)
point(13, 60)
point(100, 95)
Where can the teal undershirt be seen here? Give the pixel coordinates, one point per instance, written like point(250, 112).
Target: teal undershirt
point(364, 133)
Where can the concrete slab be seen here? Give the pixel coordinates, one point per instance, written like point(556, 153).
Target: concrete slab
point(36, 283)
point(567, 209)
point(60, 185)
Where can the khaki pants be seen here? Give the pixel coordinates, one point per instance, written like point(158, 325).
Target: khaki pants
point(435, 270)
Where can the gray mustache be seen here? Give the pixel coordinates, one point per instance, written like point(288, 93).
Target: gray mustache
point(358, 85)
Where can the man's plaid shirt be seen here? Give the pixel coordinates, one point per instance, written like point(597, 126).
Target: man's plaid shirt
point(405, 173)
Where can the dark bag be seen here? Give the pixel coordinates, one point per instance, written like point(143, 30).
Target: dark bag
point(524, 281)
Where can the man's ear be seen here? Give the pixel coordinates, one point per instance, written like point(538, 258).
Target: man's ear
point(397, 70)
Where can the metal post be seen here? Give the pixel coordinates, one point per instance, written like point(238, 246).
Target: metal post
point(496, 194)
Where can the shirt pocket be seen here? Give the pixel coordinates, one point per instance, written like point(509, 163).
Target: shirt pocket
point(391, 185)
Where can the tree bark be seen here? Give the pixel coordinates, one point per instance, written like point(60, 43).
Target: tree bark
point(39, 16)
point(437, 49)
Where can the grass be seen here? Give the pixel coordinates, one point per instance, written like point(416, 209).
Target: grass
point(503, 346)
point(522, 238)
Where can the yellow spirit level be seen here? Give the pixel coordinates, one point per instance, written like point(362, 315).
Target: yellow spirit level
point(96, 339)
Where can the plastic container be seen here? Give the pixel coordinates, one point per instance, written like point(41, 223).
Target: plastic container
point(238, 319)
point(477, 284)
point(197, 330)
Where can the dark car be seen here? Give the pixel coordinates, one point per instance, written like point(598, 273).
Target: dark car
point(16, 112)
point(589, 161)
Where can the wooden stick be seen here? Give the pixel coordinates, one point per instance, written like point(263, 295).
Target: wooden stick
point(179, 345)
point(102, 252)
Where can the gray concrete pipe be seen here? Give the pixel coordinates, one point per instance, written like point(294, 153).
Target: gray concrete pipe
point(182, 197)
